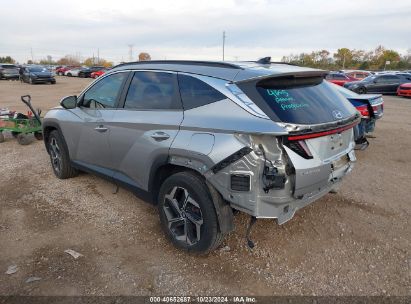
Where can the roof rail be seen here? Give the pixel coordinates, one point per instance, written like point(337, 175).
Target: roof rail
point(219, 64)
point(269, 62)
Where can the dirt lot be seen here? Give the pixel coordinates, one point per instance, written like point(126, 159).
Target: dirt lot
point(356, 242)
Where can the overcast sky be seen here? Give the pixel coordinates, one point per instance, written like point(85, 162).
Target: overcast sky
point(183, 29)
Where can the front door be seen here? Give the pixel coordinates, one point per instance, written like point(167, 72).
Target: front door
point(96, 111)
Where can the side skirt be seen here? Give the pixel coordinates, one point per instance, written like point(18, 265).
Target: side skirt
point(116, 178)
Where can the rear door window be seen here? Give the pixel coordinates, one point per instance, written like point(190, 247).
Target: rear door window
point(304, 101)
point(196, 93)
point(153, 91)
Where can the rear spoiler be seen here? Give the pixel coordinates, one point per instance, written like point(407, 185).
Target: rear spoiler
point(289, 76)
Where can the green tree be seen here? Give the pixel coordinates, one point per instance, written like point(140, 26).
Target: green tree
point(343, 57)
point(68, 60)
point(93, 61)
point(7, 59)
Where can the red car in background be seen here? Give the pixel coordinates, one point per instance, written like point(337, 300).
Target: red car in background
point(339, 78)
point(404, 90)
point(358, 74)
point(98, 73)
point(60, 71)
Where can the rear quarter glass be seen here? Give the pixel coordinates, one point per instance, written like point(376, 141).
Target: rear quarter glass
point(309, 103)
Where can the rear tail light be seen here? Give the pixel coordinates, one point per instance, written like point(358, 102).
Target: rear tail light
point(320, 134)
point(301, 148)
point(364, 111)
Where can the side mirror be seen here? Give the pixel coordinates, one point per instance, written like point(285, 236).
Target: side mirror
point(69, 102)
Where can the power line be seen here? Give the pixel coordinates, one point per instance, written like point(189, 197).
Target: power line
point(223, 43)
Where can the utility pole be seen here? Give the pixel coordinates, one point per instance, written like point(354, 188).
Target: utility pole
point(343, 61)
point(223, 43)
point(32, 58)
point(130, 52)
point(98, 56)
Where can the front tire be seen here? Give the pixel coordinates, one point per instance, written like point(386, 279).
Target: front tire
point(187, 213)
point(60, 160)
point(362, 90)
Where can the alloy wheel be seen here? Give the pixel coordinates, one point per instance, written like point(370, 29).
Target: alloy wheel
point(55, 154)
point(184, 215)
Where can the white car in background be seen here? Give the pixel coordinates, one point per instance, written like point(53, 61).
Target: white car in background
point(73, 72)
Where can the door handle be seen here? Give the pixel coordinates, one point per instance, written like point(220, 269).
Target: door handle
point(101, 129)
point(159, 136)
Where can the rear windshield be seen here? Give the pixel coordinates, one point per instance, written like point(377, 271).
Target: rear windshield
point(304, 101)
point(8, 66)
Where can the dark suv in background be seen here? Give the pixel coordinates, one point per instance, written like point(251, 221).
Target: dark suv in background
point(382, 84)
point(9, 71)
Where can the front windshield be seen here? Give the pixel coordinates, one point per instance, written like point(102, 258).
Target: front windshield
point(37, 69)
point(345, 92)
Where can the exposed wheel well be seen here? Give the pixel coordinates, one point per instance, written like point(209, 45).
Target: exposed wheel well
point(162, 173)
point(46, 133)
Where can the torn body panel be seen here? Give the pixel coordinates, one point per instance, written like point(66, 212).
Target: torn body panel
point(302, 181)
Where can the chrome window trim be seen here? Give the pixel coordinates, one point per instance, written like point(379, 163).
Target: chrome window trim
point(99, 79)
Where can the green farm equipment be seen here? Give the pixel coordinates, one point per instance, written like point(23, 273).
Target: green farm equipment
point(21, 125)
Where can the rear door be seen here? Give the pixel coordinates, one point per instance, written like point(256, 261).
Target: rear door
point(393, 82)
point(144, 128)
point(381, 84)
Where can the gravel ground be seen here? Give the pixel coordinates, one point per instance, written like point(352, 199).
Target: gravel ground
point(355, 242)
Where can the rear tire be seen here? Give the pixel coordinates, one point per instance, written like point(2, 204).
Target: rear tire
point(187, 213)
point(59, 157)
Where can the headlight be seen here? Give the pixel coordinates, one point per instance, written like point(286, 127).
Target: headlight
point(33, 75)
point(353, 86)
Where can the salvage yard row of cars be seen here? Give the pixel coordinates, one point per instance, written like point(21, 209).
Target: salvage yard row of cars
point(201, 139)
point(83, 72)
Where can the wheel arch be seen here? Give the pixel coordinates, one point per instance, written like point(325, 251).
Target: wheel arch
point(48, 127)
point(223, 209)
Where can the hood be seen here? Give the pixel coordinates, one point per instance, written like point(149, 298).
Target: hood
point(46, 73)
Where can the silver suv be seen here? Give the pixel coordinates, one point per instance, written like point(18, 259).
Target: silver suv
point(202, 139)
